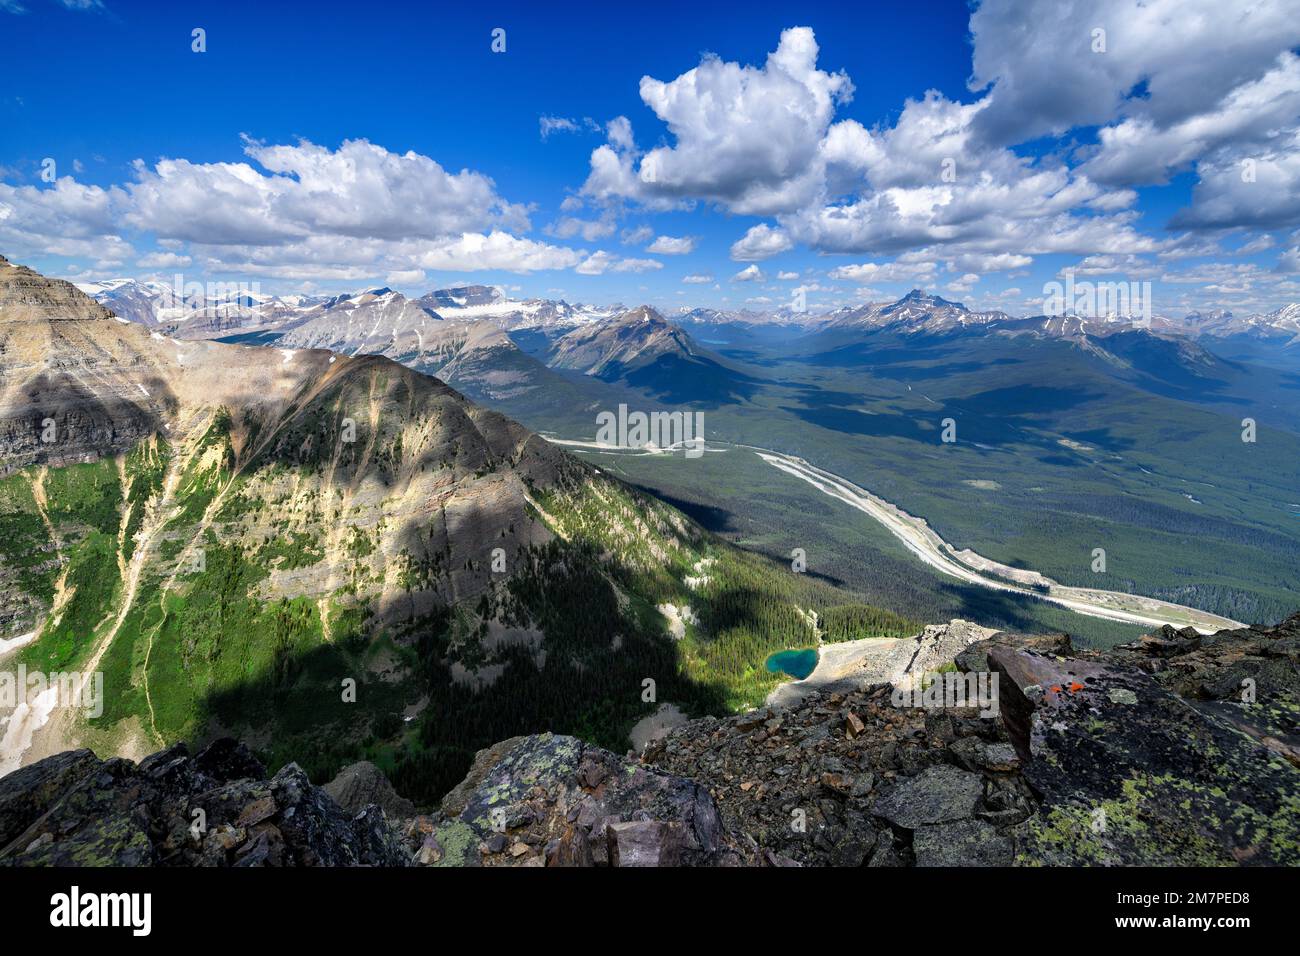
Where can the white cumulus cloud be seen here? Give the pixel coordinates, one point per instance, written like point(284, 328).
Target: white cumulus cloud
point(672, 246)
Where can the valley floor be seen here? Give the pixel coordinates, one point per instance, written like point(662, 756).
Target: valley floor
point(923, 543)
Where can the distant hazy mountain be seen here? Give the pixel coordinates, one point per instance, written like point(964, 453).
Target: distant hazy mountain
point(642, 349)
point(1124, 343)
point(915, 312)
point(621, 344)
point(783, 316)
point(1281, 326)
point(744, 327)
point(921, 314)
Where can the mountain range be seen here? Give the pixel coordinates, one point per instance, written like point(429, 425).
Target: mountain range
point(919, 312)
point(194, 311)
point(333, 553)
point(240, 310)
point(508, 352)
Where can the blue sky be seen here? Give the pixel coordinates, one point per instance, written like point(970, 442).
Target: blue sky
point(828, 174)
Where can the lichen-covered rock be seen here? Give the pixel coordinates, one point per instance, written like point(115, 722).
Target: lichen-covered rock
point(556, 801)
point(29, 792)
point(1248, 677)
point(176, 810)
point(962, 843)
point(1130, 773)
point(487, 758)
point(938, 794)
point(102, 820)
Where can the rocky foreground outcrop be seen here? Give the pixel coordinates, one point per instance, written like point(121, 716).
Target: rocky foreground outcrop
point(548, 800)
point(1177, 749)
point(173, 809)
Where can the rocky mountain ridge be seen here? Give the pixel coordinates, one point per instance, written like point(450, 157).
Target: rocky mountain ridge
point(249, 507)
point(461, 335)
point(197, 312)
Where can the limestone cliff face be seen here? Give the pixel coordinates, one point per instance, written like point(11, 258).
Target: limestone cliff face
point(73, 381)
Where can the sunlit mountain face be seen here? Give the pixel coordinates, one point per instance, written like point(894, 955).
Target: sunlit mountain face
point(830, 436)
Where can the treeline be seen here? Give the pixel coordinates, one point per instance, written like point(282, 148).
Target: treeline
point(850, 622)
point(604, 641)
point(588, 678)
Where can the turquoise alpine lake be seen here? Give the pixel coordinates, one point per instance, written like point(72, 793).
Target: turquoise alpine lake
point(798, 664)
